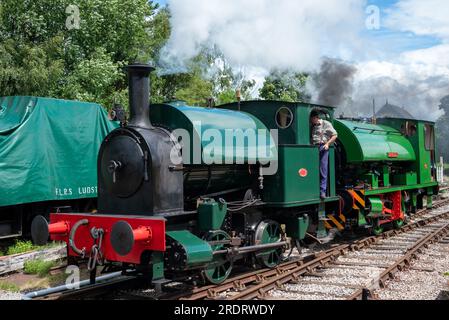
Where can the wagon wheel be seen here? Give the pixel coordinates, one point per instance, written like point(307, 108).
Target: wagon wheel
point(220, 268)
point(269, 232)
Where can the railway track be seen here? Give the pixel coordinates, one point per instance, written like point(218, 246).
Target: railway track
point(274, 283)
point(436, 233)
point(261, 284)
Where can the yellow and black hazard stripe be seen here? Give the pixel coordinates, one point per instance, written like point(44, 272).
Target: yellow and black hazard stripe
point(335, 222)
point(359, 199)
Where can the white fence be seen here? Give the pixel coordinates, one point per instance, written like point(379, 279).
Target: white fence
point(440, 171)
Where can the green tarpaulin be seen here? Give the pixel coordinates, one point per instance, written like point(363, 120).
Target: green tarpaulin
point(48, 149)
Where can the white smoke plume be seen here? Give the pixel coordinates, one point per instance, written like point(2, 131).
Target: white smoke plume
point(295, 35)
point(281, 34)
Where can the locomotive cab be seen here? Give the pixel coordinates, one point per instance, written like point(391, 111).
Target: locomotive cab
point(296, 184)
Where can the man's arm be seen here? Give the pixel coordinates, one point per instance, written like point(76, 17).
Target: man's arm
point(330, 142)
point(333, 133)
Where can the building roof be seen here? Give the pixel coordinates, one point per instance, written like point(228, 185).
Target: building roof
point(392, 111)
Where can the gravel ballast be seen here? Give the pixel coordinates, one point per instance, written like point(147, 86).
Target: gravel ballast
point(424, 284)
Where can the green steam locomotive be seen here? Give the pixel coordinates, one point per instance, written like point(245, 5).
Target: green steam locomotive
point(189, 192)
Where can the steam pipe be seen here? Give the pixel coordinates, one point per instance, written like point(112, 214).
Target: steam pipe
point(139, 95)
point(63, 288)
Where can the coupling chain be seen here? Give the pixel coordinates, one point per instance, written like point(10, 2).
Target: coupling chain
point(96, 256)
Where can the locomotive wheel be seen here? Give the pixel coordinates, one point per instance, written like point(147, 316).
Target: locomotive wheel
point(220, 268)
point(398, 224)
point(378, 229)
point(269, 231)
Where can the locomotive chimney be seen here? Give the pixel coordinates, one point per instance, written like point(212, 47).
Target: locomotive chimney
point(139, 95)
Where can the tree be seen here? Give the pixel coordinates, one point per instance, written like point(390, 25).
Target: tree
point(95, 80)
point(285, 86)
point(226, 80)
point(43, 53)
point(197, 92)
point(208, 76)
point(76, 49)
point(442, 129)
point(28, 69)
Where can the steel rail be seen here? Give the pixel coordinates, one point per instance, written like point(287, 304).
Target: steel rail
point(403, 262)
point(266, 280)
point(260, 290)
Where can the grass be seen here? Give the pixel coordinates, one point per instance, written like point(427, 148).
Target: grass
point(22, 246)
point(57, 279)
point(39, 267)
point(6, 286)
point(447, 274)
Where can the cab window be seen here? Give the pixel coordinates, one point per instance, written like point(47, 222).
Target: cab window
point(409, 129)
point(429, 134)
point(284, 118)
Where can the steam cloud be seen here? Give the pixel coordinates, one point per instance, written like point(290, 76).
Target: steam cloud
point(352, 88)
point(295, 36)
point(265, 34)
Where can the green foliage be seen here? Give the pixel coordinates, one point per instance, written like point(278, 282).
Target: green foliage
point(40, 55)
point(208, 76)
point(29, 69)
point(226, 96)
point(39, 267)
point(225, 80)
point(196, 92)
point(94, 80)
point(118, 26)
point(285, 86)
point(20, 246)
point(7, 286)
point(158, 32)
point(447, 274)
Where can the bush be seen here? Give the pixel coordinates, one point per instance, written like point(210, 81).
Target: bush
point(20, 247)
point(39, 267)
